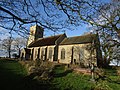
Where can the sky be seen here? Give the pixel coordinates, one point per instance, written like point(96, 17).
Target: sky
point(70, 33)
point(80, 30)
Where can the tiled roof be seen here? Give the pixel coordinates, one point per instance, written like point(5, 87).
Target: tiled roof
point(79, 39)
point(45, 41)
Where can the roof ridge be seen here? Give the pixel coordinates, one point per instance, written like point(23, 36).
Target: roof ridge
point(79, 39)
point(48, 37)
point(53, 36)
point(82, 35)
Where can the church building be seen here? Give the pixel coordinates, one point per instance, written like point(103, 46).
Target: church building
point(81, 50)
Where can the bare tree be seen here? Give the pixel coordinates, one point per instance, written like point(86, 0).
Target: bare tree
point(56, 14)
point(93, 12)
point(6, 45)
point(19, 43)
point(17, 15)
point(109, 17)
point(110, 47)
point(13, 45)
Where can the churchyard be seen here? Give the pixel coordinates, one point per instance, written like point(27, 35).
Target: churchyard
point(15, 75)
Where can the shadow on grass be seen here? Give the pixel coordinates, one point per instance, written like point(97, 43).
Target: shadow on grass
point(110, 75)
point(13, 77)
point(111, 71)
point(9, 76)
point(59, 71)
point(62, 74)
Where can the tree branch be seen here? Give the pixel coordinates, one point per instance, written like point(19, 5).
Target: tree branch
point(10, 13)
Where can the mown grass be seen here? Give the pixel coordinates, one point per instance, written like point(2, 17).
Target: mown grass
point(68, 80)
point(73, 81)
point(13, 76)
point(114, 82)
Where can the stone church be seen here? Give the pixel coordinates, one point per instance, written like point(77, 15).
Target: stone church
point(81, 50)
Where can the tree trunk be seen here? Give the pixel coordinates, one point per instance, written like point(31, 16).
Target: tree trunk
point(19, 53)
point(106, 64)
point(9, 51)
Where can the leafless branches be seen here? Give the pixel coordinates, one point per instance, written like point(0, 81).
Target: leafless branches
point(17, 14)
point(92, 12)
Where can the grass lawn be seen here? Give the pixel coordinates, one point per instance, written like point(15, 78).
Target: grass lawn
point(68, 80)
point(73, 81)
point(13, 76)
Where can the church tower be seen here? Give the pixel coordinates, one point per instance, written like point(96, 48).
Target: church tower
point(35, 33)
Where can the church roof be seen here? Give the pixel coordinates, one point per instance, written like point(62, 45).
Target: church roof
point(79, 39)
point(45, 41)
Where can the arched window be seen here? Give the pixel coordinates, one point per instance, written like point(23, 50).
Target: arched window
point(81, 54)
point(50, 53)
point(38, 56)
point(35, 53)
point(42, 54)
point(63, 53)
